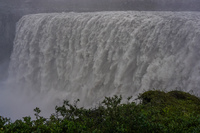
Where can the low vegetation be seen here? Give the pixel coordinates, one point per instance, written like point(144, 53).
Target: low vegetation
point(157, 112)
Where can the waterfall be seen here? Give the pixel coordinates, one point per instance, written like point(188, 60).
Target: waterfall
point(93, 55)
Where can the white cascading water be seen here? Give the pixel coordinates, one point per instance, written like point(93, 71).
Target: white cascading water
point(93, 55)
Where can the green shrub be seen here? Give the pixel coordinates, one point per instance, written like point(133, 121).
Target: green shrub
point(158, 112)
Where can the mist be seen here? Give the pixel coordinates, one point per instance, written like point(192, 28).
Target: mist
point(17, 103)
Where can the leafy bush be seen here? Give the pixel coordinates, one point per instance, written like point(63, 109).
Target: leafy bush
point(158, 112)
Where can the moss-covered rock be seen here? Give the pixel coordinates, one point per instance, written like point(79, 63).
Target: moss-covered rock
point(180, 95)
point(173, 102)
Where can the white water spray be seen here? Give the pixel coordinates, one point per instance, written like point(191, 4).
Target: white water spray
point(93, 55)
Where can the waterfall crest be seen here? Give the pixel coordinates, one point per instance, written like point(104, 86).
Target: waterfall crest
point(92, 55)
